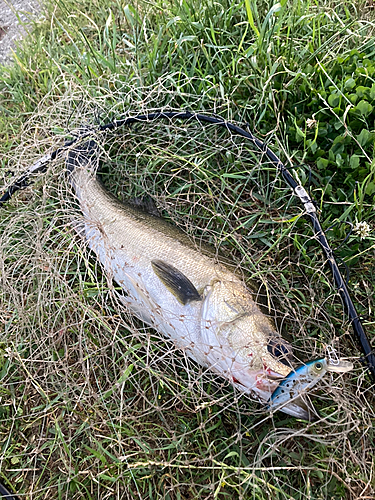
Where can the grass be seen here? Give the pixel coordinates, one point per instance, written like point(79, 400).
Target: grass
point(95, 404)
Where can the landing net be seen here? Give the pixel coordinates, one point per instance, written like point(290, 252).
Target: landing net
point(101, 404)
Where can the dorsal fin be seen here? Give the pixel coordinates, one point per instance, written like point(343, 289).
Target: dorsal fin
point(176, 282)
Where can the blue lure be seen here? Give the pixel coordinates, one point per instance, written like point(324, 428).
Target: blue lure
point(288, 396)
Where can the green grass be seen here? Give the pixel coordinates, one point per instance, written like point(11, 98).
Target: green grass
point(94, 405)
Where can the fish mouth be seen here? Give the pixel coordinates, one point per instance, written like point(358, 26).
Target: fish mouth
point(276, 371)
point(272, 375)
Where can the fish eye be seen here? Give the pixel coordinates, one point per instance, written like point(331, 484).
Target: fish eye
point(318, 366)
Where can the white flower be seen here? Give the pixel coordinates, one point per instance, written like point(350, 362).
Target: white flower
point(362, 229)
point(311, 123)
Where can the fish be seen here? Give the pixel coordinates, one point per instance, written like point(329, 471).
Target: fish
point(303, 378)
point(188, 294)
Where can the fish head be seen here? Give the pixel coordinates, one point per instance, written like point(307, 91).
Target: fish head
point(241, 339)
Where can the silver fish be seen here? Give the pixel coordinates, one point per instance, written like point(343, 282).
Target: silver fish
point(187, 295)
point(291, 390)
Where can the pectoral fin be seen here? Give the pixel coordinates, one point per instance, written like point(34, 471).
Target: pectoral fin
point(176, 282)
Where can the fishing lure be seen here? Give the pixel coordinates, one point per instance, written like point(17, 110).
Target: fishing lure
point(291, 390)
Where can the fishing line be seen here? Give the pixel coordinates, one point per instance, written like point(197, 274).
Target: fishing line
point(298, 190)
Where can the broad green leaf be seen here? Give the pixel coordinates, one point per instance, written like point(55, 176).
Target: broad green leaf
point(322, 163)
point(365, 137)
point(313, 146)
point(131, 14)
point(350, 83)
point(183, 39)
point(364, 108)
point(353, 98)
point(339, 160)
point(333, 100)
point(354, 161)
point(362, 91)
point(107, 478)
point(370, 188)
point(172, 21)
point(273, 10)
